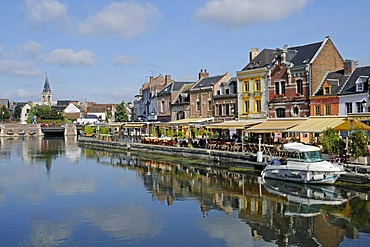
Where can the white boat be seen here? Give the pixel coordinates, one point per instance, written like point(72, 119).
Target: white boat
point(303, 164)
point(304, 193)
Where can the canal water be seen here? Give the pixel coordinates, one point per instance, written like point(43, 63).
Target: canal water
point(55, 193)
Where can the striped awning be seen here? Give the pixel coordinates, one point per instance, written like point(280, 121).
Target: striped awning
point(275, 125)
point(319, 124)
point(235, 124)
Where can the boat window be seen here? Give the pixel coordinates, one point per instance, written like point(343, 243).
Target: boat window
point(314, 156)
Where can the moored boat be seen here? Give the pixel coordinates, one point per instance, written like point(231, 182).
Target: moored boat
point(304, 164)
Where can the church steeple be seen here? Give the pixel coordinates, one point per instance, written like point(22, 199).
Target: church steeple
point(47, 88)
point(47, 95)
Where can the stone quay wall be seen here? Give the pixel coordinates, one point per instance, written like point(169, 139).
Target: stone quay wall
point(234, 159)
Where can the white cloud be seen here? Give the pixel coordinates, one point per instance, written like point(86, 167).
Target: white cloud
point(126, 19)
point(15, 68)
point(30, 49)
point(124, 60)
point(237, 13)
point(24, 93)
point(69, 57)
point(45, 11)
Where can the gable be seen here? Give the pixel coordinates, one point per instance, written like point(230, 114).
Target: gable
point(71, 108)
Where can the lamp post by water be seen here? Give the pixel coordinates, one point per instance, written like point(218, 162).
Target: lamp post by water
point(259, 152)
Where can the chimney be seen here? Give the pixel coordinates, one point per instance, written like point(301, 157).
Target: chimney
point(203, 74)
point(349, 66)
point(253, 53)
point(167, 79)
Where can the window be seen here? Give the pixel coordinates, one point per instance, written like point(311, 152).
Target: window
point(257, 85)
point(359, 87)
point(227, 109)
point(349, 107)
point(209, 105)
point(295, 111)
point(327, 110)
point(359, 107)
point(282, 85)
point(163, 106)
point(327, 90)
point(299, 86)
point(198, 106)
point(246, 86)
point(246, 106)
point(257, 105)
point(280, 112)
point(277, 88)
point(317, 110)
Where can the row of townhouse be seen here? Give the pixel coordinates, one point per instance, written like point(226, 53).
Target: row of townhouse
point(299, 81)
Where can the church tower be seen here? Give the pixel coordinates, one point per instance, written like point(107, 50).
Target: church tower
point(47, 96)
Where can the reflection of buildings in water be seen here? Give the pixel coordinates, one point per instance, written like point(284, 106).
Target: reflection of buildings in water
point(72, 150)
point(270, 216)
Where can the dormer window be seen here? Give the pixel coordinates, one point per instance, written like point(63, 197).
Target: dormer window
point(359, 87)
point(360, 83)
point(327, 90)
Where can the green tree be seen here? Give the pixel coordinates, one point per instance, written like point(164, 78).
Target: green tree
point(358, 141)
point(17, 112)
point(332, 143)
point(121, 113)
point(45, 113)
point(4, 113)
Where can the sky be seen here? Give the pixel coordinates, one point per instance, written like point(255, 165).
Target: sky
point(104, 51)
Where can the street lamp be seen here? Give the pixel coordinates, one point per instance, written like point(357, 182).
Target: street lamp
point(363, 103)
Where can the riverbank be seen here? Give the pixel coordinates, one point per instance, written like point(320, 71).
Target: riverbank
point(228, 159)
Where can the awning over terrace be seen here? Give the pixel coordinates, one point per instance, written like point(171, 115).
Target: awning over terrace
point(275, 125)
point(319, 124)
point(235, 124)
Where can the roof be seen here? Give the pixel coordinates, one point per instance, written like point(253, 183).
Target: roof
point(47, 88)
point(297, 146)
point(275, 125)
point(174, 87)
point(350, 85)
point(319, 124)
point(336, 79)
point(207, 81)
point(263, 59)
point(301, 55)
point(235, 124)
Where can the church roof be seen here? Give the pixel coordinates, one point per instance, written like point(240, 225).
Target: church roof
point(47, 88)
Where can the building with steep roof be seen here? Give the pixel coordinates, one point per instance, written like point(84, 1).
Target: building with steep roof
point(47, 95)
point(226, 101)
point(145, 103)
point(253, 81)
point(296, 74)
point(325, 100)
point(166, 98)
point(202, 94)
point(354, 95)
point(180, 106)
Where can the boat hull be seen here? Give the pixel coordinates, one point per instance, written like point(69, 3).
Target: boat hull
point(301, 175)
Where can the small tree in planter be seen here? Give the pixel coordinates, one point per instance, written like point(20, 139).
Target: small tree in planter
point(332, 143)
point(89, 130)
point(358, 141)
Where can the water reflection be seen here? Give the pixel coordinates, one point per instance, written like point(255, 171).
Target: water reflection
point(99, 198)
point(275, 211)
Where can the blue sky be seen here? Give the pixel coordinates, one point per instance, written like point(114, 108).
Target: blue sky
point(103, 51)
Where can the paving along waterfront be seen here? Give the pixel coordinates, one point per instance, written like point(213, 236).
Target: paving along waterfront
point(56, 193)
